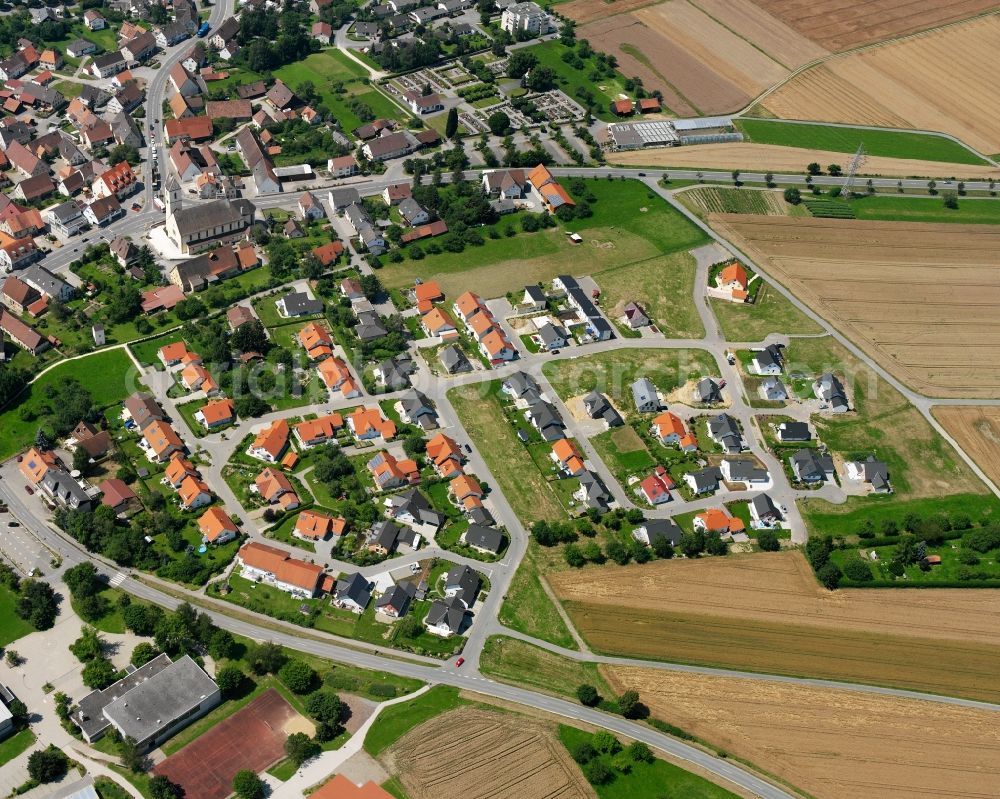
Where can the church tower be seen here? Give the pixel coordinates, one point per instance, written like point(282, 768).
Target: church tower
point(175, 198)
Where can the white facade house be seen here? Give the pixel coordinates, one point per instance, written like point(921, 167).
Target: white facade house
point(526, 18)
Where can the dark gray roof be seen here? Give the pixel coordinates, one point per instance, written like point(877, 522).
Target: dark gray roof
point(156, 703)
point(410, 209)
point(807, 464)
point(488, 538)
point(519, 383)
point(763, 506)
point(705, 479)
point(745, 471)
point(724, 429)
point(299, 303)
point(399, 597)
point(479, 515)
point(43, 280)
point(546, 419)
point(793, 431)
point(386, 534)
point(661, 528)
point(412, 502)
point(535, 293)
point(453, 359)
point(449, 612)
point(218, 213)
point(464, 582)
point(595, 493)
point(355, 588)
point(89, 715)
point(64, 488)
point(707, 390)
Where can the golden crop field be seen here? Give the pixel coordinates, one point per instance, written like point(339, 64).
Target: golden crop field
point(766, 612)
point(919, 298)
point(976, 429)
point(829, 743)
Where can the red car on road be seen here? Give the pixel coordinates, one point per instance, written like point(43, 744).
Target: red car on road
point(459, 662)
point(29, 489)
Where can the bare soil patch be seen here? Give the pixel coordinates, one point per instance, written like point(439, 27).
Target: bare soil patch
point(583, 11)
point(741, 155)
point(977, 431)
point(767, 613)
point(920, 298)
point(480, 754)
point(829, 743)
point(840, 24)
point(935, 81)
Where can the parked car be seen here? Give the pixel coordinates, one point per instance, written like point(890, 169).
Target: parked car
point(29, 489)
point(459, 662)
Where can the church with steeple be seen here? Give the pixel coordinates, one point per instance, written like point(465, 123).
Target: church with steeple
point(202, 226)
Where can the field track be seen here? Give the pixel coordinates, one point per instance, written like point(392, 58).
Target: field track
point(977, 431)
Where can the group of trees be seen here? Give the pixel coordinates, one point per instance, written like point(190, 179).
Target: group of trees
point(63, 404)
point(602, 756)
point(273, 38)
point(36, 602)
point(336, 473)
point(85, 586)
point(12, 382)
point(408, 54)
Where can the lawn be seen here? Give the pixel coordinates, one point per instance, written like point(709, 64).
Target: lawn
point(524, 486)
point(927, 209)
point(624, 453)
point(147, 351)
point(654, 780)
point(571, 80)
point(108, 375)
point(397, 720)
point(528, 609)
point(110, 622)
point(948, 572)
point(613, 372)
point(15, 745)
point(629, 224)
point(12, 626)
point(886, 143)
point(663, 286)
point(771, 312)
point(329, 67)
point(520, 663)
point(68, 88)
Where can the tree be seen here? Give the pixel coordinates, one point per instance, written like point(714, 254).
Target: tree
point(834, 170)
point(950, 199)
point(99, 673)
point(541, 79)
point(932, 187)
point(250, 337)
point(520, 63)
point(247, 785)
point(587, 695)
point(230, 679)
point(630, 706)
point(574, 556)
point(143, 653)
point(325, 707)
point(130, 756)
point(83, 580)
point(793, 196)
point(451, 124)
point(663, 548)
point(299, 748)
point(605, 742)
point(161, 787)
point(81, 460)
point(221, 644)
point(12, 657)
point(88, 646)
point(37, 604)
point(639, 752)
point(47, 765)
point(298, 676)
point(583, 752)
point(768, 541)
point(597, 772)
point(141, 619)
point(829, 575)
point(499, 123)
point(736, 177)
point(906, 551)
point(692, 544)
point(814, 169)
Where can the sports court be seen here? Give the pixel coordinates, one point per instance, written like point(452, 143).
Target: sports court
point(252, 738)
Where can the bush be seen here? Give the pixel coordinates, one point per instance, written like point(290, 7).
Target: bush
point(247, 785)
point(299, 748)
point(325, 707)
point(597, 773)
point(230, 679)
point(793, 196)
point(858, 570)
point(829, 575)
point(143, 653)
point(162, 788)
point(583, 752)
point(768, 541)
point(606, 743)
point(588, 695)
point(640, 753)
point(298, 676)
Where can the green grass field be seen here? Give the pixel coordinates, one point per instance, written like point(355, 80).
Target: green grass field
point(629, 224)
point(570, 79)
point(887, 143)
point(770, 312)
point(528, 609)
point(646, 780)
point(15, 745)
point(12, 626)
point(520, 663)
point(329, 67)
point(927, 209)
point(108, 375)
point(395, 721)
point(948, 571)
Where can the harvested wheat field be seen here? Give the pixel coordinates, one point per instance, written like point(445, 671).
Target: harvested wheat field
point(765, 31)
point(831, 744)
point(776, 158)
point(583, 11)
point(840, 24)
point(920, 298)
point(977, 431)
point(480, 754)
point(765, 612)
point(935, 81)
